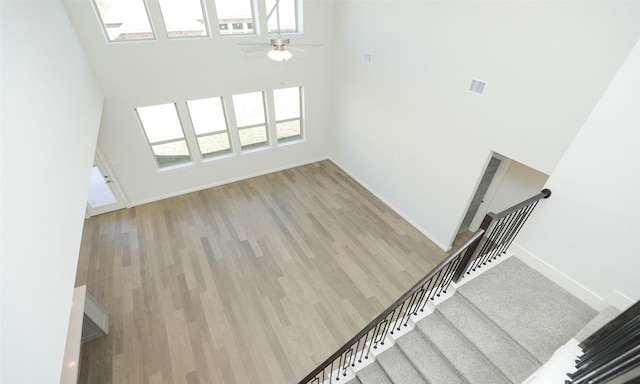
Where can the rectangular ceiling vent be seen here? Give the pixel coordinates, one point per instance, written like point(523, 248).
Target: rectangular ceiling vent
point(477, 86)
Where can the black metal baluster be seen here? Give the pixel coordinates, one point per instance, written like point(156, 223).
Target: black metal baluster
point(517, 230)
point(383, 334)
point(513, 221)
point(409, 310)
point(420, 296)
point(448, 274)
point(375, 340)
point(427, 293)
point(353, 363)
point(438, 280)
point(364, 346)
point(422, 300)
point(399, 313)
point(495, 235)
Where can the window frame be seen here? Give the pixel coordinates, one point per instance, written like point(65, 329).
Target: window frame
point(297, 19)
point(105, 30)
point(205, 18)
point(300, 118)
point(230, 31)
point(264, 124)
point(218, 154)
point(163, 142)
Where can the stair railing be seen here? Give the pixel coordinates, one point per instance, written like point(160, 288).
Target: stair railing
point(501, 229)
point(476, 251)
point(392, 319)
point(612, 354)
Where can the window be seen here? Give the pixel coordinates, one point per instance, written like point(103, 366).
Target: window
point(287, 14)
point(184, 18)
point(250, 119)
point(125, 19)
point(164, 133)
point(210, 125)
point(287, 103)
point(238, 13)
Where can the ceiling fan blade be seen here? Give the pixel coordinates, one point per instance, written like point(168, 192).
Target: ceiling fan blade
point(305, 45)
point(253, 49)
point(293, 48)
point(253, 44)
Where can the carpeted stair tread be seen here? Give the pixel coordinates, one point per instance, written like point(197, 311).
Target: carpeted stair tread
point(398, 367)
point(354, 381)
point(533, 310)
point(428, 360)
point(504, 352)
point(373, 374)
point(466, 358)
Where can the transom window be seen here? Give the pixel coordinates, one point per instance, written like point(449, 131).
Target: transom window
point(251, 119)
point(184, 18)
point(210, 126)
point(285, 13)
point(124, 19)
point(235, 16)
point(164, 133)
point(288, 113)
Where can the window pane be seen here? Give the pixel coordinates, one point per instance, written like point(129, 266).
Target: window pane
point(287, 11)
point(287, 103)
point(253, 137)
point(125, 19)
point(235, 12)
point(207, 115)
point(249, 108)
point(214, 145)
point(183, 18)
point(171, 153)
point(160, 122)
point(289, 130)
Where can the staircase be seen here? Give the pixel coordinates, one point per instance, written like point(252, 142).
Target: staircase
point(498, 327)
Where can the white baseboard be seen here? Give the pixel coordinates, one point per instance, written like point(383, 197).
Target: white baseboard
point(442, 246)
point(223, 182)
point(570, 285)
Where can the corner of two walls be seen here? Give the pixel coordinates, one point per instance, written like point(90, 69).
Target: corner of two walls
point(585, 236)
point(406, 128)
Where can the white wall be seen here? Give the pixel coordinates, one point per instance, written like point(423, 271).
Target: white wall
point(585, 235)
point(136, 74)
point(407, 127)
point(511, 185)
point(51, 108)
point(518, 183)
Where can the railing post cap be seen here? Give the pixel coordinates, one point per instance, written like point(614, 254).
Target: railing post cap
point(546, 192)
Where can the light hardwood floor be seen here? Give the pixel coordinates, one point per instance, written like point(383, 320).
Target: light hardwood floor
point(252, 282)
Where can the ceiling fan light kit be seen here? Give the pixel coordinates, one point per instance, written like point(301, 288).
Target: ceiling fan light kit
point(279, 54)
point(279, 51)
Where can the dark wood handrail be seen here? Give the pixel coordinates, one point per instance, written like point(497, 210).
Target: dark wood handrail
point(490, 218)
point(374, 323)
point(544, 194)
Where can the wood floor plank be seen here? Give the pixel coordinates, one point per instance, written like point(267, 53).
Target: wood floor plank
point(251, 282)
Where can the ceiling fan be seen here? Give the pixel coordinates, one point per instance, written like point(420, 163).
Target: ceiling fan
point(280, 48)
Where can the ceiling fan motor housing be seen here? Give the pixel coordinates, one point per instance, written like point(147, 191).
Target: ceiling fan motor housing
point(279, 42)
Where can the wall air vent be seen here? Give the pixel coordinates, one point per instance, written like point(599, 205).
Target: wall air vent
point(477, 86)
point(368, 57)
